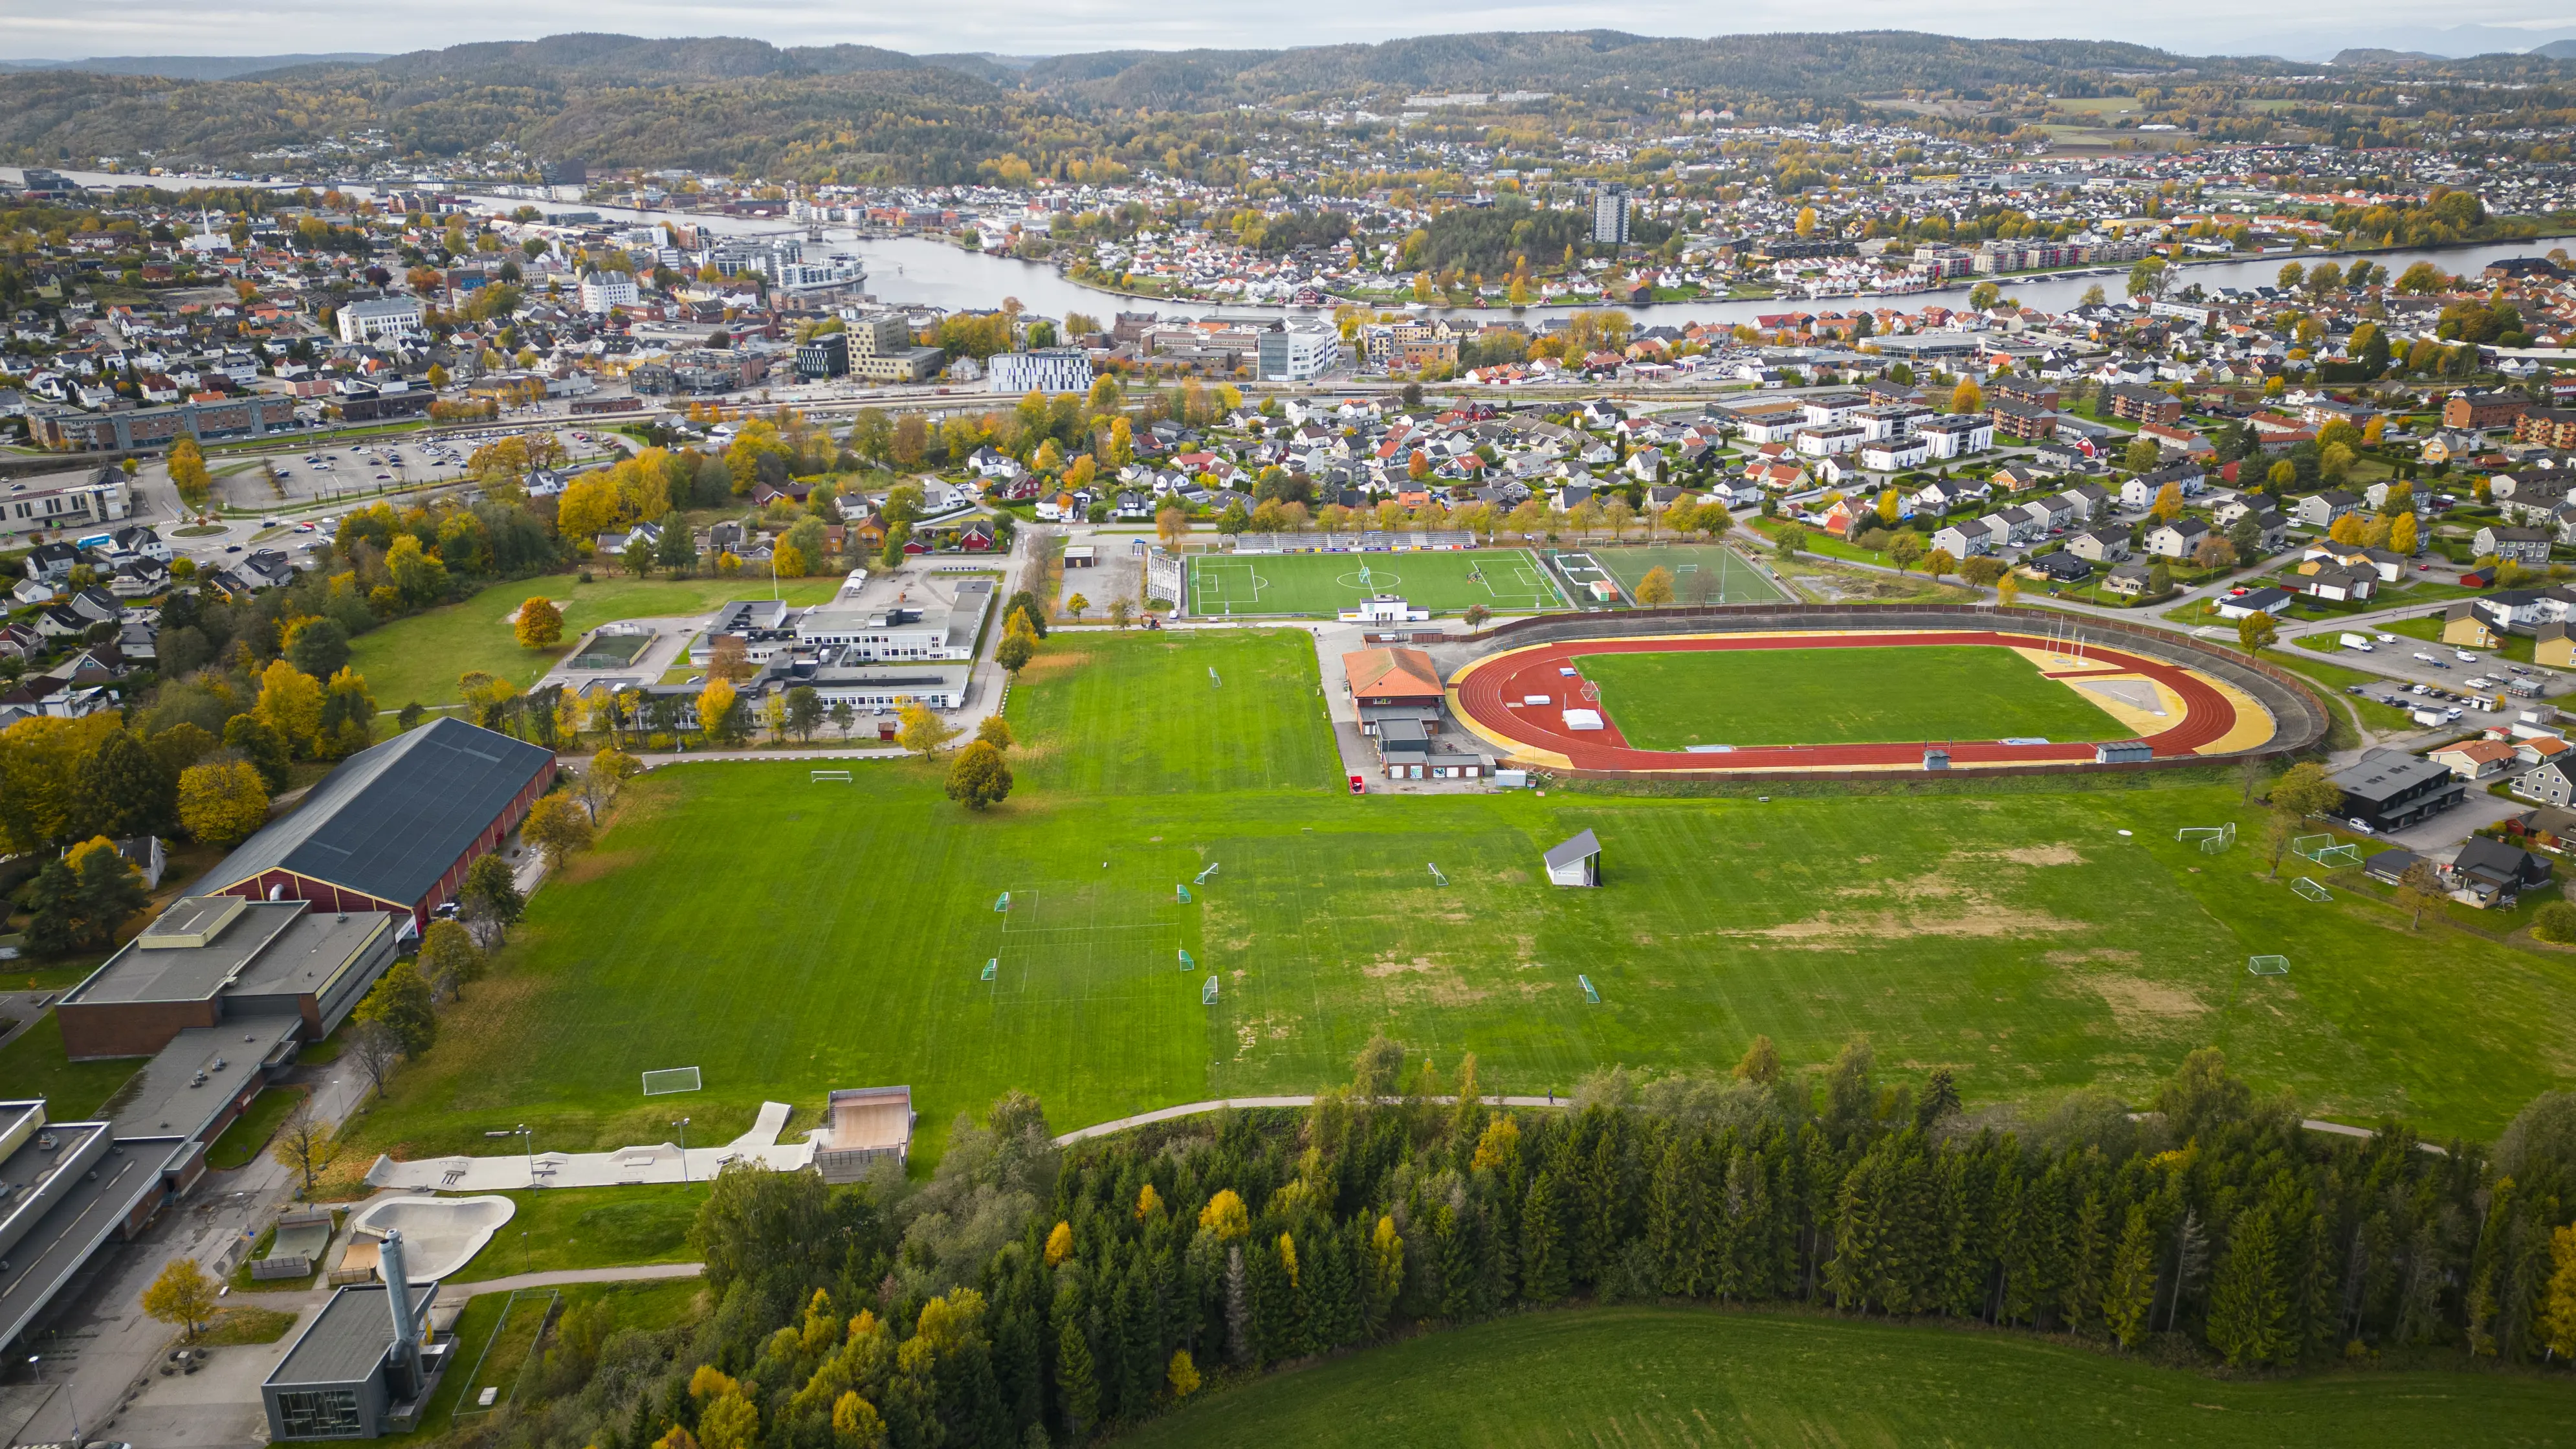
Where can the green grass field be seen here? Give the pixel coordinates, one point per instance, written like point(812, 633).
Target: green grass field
point(243, 1141)
point(418, 660)
point(1839, 696)
point(1663, 1376)
point(793, 938)
point(1723, 573)
point(1505, 580)
point(562, 1228)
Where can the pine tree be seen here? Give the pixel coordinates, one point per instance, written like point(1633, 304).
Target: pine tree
point(2129, 1296)
point(1544, 1271)
point(1461, 1258)
point(2086, 1262)
point(1676, 1216)
point(1073, 1380)
point(1239, 1342)
point(2248, 1307)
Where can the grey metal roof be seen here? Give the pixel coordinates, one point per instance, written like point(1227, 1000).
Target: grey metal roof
point(348, 1338)
point(1573, 850)
point(391, 820)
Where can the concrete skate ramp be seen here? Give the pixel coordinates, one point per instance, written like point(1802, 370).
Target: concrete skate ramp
point(440, 1234)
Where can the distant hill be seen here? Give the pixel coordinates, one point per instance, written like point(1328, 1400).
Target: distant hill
point(2366, 56)
point(2557, 50)
point(191, 67)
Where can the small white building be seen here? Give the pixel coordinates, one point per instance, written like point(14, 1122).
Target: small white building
point(376, 318)
point(1576, 862)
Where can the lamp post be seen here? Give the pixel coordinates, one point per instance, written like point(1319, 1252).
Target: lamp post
point(528, 1144)
point(71, 1393)
point(683, 1125)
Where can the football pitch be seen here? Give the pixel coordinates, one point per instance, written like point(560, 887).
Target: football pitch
point(1703, 573)
point(1932, 692)
point(1505, 580)
point(792, 938)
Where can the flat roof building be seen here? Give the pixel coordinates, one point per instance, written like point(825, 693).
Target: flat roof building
point(65, 1189)
point(212, 961)
point(365, 1365)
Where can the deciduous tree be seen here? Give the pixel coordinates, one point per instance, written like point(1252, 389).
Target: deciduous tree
point(306, 1145)
point(223, 803)
point(979, 778)
point(922, 731)
point(1656, 587)
point(557, 826)
point(184, 1294)
point(402, 1004)
point(2257, 632)
point(539, 624)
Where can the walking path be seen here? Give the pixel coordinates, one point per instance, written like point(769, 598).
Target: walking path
point(453, 1295)
point(1193, 1109)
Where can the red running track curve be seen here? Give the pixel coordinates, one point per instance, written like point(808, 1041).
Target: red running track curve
point(2207, 715)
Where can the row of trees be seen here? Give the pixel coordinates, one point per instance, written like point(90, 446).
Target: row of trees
point(1024, 1296)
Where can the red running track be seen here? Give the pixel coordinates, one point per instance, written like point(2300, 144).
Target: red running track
point(2207, 714)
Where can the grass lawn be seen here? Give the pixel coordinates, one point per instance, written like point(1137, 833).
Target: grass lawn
point(237, 1326)
point(1506, 580)
point(590, 1227)
point(2335, 677)
point(2015, 936)
point(242, 1142)
point(492, 1345)
point(34, 1066)
point(1839, 696)
point(418, 659)
point(1727, 577)
point(1667, 1376)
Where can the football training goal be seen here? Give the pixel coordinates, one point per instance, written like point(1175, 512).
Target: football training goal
point(2268, 965)
point(671, 1079)
point(2311, 889)
point(828, 777)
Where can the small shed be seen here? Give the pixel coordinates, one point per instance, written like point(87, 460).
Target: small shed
point(1577, 862)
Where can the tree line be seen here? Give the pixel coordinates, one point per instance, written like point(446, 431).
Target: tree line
point(1027, 1296)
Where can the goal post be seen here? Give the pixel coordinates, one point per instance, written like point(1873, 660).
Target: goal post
point(667, 1080)
point(2268, 965)
point(2311, 889)
point(829, 777)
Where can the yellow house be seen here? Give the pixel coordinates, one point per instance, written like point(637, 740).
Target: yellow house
point(2464, 628)
point(2554, 648)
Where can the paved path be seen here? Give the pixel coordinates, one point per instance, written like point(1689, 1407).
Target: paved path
point(641, 1163)
point(452, 1294)
point(1193, 1109)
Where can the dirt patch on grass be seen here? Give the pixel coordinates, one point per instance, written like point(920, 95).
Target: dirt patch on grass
point(2136, 1002)
point(594, 865)
point(1052, 660)
point(2058, 854)
point(2113, 954)
point(1389, 965)
point(1978, 918)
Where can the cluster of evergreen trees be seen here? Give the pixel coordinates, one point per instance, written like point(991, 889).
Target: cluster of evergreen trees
point(1020, 1299)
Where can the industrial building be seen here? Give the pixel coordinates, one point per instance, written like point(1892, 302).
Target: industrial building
point(364, 1366)
point(210, 961)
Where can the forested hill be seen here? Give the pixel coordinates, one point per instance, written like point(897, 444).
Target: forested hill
point(1777, 65)
point(858, 113)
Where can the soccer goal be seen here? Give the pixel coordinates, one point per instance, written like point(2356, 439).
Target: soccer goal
point(2311, 889)
point(1004, 903)
point(2215, 844)
point(2225, 834)
point(1207, 993)
point(1187, 964)
point(1203, 877)
point(828, 777)
point(1590, 993)
point(2323, 850)
point(2268, 965)
point(992, 968)
point(1436, 877)
point(1213, 681)
point(1180, 894)
point(671, 1079)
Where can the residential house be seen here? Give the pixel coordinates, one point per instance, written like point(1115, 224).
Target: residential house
point(2476, 759)
point(2100, 545)
point(2462, 628)
point(2177, 538)
point(2529, 546)
point(2320, 510)
point(2252, 601)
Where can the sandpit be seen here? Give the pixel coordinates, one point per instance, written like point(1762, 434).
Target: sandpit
point(440, 1234)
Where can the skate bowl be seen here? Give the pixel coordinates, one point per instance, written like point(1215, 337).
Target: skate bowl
point(440, 1234)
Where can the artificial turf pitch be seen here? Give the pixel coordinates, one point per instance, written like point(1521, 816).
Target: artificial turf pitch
point(794, 938)
point(1935, 692)
point(1505, 580)
point(1703, 573)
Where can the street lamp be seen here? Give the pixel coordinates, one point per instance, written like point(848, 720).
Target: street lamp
point(71, 1392)
point(683, 1125)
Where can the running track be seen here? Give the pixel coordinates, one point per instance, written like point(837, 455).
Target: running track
point(2207, 716)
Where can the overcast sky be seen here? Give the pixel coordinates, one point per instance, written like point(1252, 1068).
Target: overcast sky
point(49, 29)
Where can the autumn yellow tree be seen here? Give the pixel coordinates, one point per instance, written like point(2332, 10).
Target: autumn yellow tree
point(557, 826)
point(921, 731)
point(184, 1294)
point(1656, 587)
point(222, 804)
point(290, 702)
point(2402, 534)
point(187, 464)
point(1226, 1216)
point(2168, 504)
point(1967, 397)
point(715, 704)
point(540, 624)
